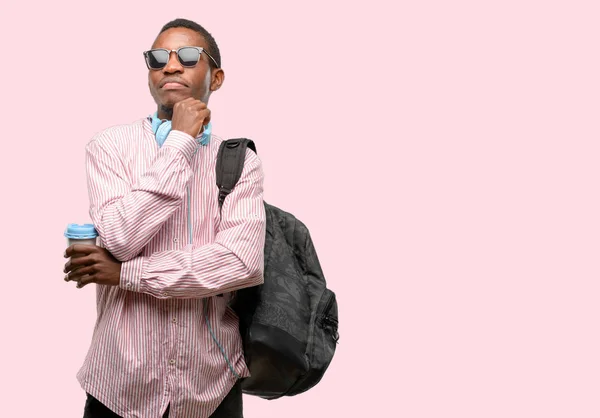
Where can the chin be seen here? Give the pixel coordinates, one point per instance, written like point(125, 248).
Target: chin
point(172, 97)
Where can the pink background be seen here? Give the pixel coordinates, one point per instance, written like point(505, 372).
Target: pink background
point(444, 156)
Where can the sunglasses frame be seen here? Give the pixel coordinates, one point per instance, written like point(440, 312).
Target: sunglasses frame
point(199, 48)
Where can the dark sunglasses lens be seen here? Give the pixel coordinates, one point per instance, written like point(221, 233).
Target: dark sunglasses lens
point(157, 59)
point(189, 57)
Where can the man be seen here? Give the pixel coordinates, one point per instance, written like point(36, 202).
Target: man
point(166, 343)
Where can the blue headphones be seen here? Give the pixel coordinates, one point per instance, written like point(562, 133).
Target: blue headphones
point(161, 129)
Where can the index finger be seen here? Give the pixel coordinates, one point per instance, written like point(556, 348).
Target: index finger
point(186, 100)
point(80, 249)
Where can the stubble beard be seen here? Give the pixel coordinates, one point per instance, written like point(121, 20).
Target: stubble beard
point(167, 110)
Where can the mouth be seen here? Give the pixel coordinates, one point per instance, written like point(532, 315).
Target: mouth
point(172, 84)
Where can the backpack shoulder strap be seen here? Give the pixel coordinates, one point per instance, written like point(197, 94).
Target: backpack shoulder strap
point(230, 163)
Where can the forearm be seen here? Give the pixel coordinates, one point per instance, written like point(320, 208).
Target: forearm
point(206, 271)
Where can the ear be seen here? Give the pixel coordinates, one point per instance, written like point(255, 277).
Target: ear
point(217, 78)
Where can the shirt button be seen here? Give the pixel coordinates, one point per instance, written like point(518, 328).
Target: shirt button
point(175, 240)
point(174, 320)
point(172, 361)
point(128, 284)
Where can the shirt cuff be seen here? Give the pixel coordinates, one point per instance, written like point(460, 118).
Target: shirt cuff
point(183, 142)
point(131, 274)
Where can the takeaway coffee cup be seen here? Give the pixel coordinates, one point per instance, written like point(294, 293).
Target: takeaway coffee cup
point(84, 234)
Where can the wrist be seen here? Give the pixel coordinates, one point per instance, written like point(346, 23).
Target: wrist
point(181, 141)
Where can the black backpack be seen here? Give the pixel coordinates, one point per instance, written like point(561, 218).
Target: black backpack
point(289, 324)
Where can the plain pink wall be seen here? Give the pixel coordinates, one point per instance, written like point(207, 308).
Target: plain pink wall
point(443, 155)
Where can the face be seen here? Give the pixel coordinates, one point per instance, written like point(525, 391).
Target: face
point(174, 82)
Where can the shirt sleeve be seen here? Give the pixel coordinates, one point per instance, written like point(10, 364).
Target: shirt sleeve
point(233, 261)
point(128, 214)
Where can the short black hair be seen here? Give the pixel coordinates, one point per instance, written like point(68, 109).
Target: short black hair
point(213, 48)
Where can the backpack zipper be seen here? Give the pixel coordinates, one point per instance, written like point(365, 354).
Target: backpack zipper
point(329, 321)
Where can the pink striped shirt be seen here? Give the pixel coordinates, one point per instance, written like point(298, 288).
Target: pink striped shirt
point(152, 342)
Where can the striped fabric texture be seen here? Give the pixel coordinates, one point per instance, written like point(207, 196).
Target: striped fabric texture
point(166, 334)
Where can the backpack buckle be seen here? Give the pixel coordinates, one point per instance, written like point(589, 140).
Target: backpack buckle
point(223, 192)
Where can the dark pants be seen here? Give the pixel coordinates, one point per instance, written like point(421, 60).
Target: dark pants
point(231, 407)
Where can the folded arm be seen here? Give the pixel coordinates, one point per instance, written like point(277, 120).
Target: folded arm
point(233, 261)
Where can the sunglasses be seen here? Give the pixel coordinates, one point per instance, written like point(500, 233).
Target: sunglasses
point(188, 56)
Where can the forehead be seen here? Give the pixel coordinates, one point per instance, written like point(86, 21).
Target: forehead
point(177, 37)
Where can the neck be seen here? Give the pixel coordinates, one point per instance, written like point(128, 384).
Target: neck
point(165, 112)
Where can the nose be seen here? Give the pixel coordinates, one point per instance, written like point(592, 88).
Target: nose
point(173, 65)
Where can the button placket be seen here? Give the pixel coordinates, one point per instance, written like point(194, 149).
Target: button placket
point(172, 315)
